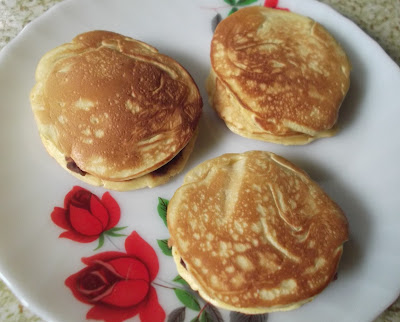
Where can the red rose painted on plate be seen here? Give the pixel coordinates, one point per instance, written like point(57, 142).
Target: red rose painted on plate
point(85, 217)
point(273, 4)
point(118, 284)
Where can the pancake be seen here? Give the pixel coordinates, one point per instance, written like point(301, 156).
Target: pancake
point(277, 76)
point(150, 180)
point(253, 233)
point(113, 109)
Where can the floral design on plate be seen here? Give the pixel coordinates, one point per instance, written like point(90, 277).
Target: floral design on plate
point(235, 5)
point(118, 284)
point(273, 4)
point(86, 217)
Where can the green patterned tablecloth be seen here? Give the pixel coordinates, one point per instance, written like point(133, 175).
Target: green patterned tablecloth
point(379, 18)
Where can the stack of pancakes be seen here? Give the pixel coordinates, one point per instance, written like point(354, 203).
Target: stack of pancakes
point(253, 233)
point(114, 111)
point(277, 76)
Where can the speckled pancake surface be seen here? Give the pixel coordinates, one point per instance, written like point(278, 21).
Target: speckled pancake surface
point(253, 233)
point(114, 106)
point(283, 70)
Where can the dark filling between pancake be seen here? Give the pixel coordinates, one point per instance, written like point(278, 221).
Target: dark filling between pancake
point(183, 263)
point(165, 168)
point(71, 165)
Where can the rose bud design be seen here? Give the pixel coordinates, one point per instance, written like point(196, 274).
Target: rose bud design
point(118, 284)
point(84, 216)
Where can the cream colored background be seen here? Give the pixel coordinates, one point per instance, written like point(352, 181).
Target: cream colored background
point(378, 18)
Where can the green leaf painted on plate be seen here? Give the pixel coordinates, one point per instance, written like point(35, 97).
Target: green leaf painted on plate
point(113, 234)
point(162, 209)
point(101, 242)
point(230, 2)
point(233, 10)
point(117, 228)
point(179, 279)
point(245, 2)
point(187, 299)
point(240, 317)
point(177, 315)
point(163, 244)
point(214, 313)
point(205, 317)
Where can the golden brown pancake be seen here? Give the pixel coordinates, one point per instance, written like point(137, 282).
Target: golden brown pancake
point(254, 233)
point(277, 76)
point(152, 179)
point(113, 109)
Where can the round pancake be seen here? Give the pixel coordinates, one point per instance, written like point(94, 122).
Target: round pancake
point(283, 72)
point(253, 233)
point(114, 106)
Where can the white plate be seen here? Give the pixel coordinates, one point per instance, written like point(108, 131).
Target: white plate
point(359, 168)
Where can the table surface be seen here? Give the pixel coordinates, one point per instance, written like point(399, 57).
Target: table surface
point(378, 18)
